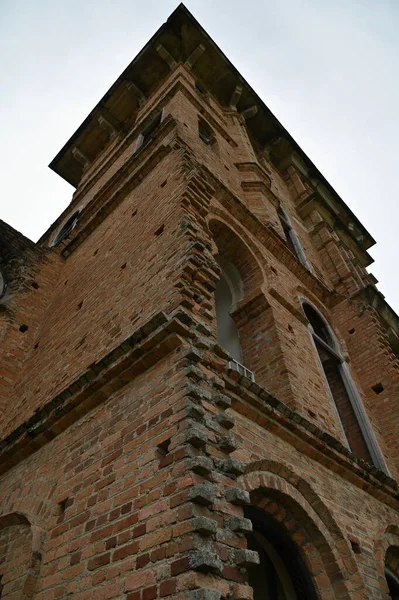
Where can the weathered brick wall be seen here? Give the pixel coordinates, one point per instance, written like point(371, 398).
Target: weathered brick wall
point(15, 562)
point(121, 440)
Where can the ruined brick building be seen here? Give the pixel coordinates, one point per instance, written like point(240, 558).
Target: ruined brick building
point(199, 378)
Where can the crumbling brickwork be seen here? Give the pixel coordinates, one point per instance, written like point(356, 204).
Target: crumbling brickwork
point(137, 454)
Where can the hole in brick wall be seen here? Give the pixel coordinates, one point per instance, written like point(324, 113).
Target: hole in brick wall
point(65, 282)
point(351, 331)
point(95, 252)
point(206, 133)
point(62, 506)
point(123, 266)
point(290, 329)
point(311, 414)
point(185, 124)
point(35, 347)
point(35, 285)
point(82, 341)
point(164, 183)
point(23, 328)
point(163, 447)
point(226, 167)
point(273, 270)
point(377, 388)
point(134, 213)
point(159, 230)
point(80, 305)
point(355, 547)
point(200, 88)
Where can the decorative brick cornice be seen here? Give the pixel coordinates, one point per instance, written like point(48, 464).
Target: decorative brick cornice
point(309, 439)
point(151, 342)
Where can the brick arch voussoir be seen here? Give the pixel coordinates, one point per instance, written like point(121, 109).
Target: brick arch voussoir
point(217, 214)
point(304, 489)
point(332, 549)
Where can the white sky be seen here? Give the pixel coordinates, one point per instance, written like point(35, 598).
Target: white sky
point(328, 69)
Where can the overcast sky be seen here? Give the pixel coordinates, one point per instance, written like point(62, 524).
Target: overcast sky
point(328, 69)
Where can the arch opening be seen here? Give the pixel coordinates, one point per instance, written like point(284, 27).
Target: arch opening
point(281, 573)
point(240, 278)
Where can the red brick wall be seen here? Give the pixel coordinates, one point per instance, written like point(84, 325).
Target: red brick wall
point(116, 486)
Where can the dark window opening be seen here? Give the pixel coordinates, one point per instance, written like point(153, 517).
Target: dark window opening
point(291, 237)
point(66, 229)
point(206, 133)
point(318, 325)
point(148, 132)
point(282, 573)
point(3, 285)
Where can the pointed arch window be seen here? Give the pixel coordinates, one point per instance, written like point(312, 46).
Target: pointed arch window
point(291, 237)
point(349, 407)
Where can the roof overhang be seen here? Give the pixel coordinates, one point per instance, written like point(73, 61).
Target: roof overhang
point(180, 37)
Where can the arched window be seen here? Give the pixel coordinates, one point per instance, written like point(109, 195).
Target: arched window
point(393, 584)
point(292, 239)
point(227, 331)
point(347, 402)
point(281, 573)
point(206, 133)
point(66, 228)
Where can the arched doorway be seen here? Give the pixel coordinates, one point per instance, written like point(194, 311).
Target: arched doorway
point(393, 584)
point(282, 573)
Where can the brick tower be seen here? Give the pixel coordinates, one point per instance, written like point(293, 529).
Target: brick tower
point(199, 379)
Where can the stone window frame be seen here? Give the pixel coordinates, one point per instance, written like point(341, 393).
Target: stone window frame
point(292, 237)
point(351, 389)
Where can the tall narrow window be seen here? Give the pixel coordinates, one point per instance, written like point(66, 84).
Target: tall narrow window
point(349, 407)
point(227, 329)
point(206, 133)
point(227, 292)
point(293, 242)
